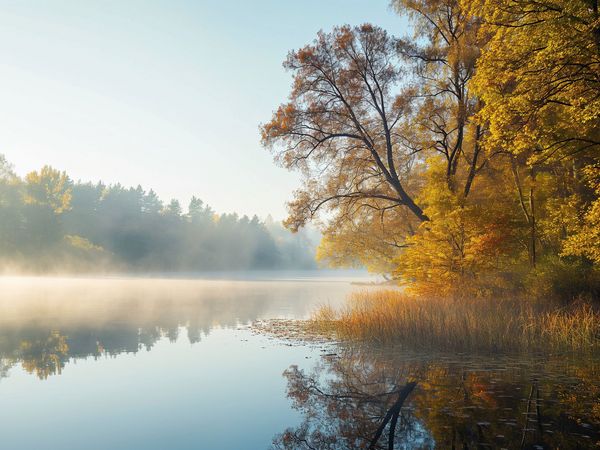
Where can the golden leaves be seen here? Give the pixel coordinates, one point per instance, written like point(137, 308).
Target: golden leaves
point(49, 187)
point(496, 119)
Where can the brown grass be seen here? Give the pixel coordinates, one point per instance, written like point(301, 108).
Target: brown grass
point(479, 324)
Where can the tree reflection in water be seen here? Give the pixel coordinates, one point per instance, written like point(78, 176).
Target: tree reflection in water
point(350, 401)
point(44, 356)
point(47, 322)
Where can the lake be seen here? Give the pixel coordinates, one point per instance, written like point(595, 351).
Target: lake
point(173, 363)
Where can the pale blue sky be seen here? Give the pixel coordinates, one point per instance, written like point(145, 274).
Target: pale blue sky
point(166, 94)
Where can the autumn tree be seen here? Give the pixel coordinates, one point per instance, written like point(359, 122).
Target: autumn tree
point(465, 239)
point(366, 111)
point(341, 126)
point(539, 78)
point(585, 240)
point(49, 187)
point(539, 75)
point(442, 53)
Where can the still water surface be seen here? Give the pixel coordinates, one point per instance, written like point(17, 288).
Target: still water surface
point(172, 364)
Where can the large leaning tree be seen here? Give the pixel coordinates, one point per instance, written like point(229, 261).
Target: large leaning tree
point(342, 128)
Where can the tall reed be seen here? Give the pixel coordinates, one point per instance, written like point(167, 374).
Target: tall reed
point(478, 324)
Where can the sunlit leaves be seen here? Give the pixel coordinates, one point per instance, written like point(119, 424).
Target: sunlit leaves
point(341, 126)
point(49, 187)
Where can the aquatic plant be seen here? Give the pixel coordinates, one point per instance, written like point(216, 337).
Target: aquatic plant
point(491, 324)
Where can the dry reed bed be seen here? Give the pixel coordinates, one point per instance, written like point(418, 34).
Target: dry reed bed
point(457, 324)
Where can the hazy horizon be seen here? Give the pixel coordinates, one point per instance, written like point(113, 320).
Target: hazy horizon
point(149, 92)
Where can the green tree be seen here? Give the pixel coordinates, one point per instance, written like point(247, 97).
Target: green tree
point(49, 187)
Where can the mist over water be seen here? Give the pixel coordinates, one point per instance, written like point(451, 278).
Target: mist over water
point(220, 299)
point(154, 363)
point(159, 363)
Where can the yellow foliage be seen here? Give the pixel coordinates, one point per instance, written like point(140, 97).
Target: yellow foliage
point(81, 243)
point(49, 187)
point(487, 166)
point(463, 250)
point(586, 240)
point(537, 75)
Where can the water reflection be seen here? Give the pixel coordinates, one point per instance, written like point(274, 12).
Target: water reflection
point(354, 399)
point(47, 322)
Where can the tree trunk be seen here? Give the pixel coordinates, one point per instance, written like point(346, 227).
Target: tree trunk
point(532, 221)
point(529, 212)
point(473, 168)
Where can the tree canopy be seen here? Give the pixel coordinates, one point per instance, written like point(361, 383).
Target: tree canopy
point(51, 223)
point(462, 154)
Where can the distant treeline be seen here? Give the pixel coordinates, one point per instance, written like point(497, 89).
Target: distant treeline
point(50, 223)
